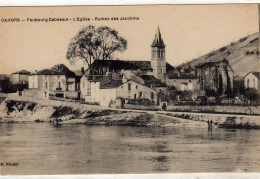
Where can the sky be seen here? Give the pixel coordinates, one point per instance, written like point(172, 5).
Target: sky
point(189, 31)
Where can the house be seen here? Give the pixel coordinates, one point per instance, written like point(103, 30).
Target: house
point(89, 88)
point(128, 89)
point(58, 81)
point(183, 81)
point(79, 74)
point(215, 76)
point(252, 80)
point(127, 85)
point(20, 77)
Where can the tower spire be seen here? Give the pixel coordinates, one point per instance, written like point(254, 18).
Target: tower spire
point(158, 41)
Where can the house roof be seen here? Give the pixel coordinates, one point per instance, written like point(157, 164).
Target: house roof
point(59, 69)
point(4, 77)
point(126, 65)
point(111, 84)
point(22, 72)
point(255, 73)
point(151, 81)
point(182, 76)
point(77, 72)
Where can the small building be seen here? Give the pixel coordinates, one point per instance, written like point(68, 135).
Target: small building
point(252, 80)
point(20, 77)
point(58, 81)
point(112, 90)
point(183, 81)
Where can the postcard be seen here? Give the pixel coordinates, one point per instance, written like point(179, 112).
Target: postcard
point(129, 89)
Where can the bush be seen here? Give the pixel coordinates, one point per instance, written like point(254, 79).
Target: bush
point(222, 49)
point(140, 101)
point(252, 41)
point(243, 39)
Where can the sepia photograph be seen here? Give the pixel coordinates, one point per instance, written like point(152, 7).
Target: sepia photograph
point(147, 89)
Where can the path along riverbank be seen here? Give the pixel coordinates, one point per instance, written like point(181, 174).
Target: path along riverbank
point(20, 109)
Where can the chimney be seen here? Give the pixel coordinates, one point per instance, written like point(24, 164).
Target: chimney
point(109, 75)
point(82, 71)
point(107, 69)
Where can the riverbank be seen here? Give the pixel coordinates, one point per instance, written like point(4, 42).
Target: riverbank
point(32, 110)
point(26, 110)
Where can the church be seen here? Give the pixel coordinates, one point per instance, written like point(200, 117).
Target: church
point(113, 79)
point(157, 66)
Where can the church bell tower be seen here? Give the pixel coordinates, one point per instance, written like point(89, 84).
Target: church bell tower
point(158, 62)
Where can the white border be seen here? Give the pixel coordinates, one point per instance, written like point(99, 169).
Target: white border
point(116, 2)
point(4, 3)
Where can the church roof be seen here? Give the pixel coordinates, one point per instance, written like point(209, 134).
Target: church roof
point(158, 41)
point(182, 76)
point(126, 65)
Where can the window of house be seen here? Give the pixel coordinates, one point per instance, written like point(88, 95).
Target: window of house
point(129, 86)
point(152, 96)
point(161, 70)
point(46, 85)
point(136, 87)
point(248, 83)
point(254, 83)
point(83, 84)
point(140, 94)
point(58, 85)
point(134, 96)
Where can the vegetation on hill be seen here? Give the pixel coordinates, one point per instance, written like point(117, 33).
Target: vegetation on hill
point(243, 56)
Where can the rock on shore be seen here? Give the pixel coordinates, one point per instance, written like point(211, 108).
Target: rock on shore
point(37, 111)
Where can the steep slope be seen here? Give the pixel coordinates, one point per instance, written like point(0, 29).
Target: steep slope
point(243, 56)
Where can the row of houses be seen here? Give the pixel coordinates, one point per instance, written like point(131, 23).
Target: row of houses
point(105, 81)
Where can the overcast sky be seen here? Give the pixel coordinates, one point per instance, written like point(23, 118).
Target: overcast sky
point(188, 31)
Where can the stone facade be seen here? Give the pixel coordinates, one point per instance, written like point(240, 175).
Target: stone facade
point(215, 76)
point(20, 77)
point(53, 82)
point(252, 80)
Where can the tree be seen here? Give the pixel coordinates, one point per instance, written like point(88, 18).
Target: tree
point(91, 44)
point(251, 94)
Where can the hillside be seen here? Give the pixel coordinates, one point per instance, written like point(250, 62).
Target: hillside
point(243, 56)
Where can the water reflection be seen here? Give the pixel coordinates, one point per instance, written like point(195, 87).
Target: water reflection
point(48, 148)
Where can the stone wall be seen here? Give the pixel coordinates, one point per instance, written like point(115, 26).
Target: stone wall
point(217, 109)
point(33, 93)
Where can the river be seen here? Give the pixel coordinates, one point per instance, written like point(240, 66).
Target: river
point(45, 148)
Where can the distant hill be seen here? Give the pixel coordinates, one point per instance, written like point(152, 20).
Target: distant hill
point(243, 56)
